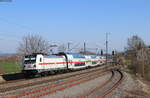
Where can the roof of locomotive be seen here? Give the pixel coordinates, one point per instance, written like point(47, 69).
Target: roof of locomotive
point(44, 55)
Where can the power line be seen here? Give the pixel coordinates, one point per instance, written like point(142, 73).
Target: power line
point(14, 23)
point(6, 36)
point(75, 46)
point(3, 35)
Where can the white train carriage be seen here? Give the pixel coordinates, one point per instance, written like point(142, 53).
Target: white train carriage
point(76, 61)
point(94, 61)
point(39, 63)
point(102, 60)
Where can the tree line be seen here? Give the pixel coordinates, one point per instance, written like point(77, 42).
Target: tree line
point(137, 57)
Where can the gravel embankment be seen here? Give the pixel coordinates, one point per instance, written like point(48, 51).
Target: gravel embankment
point(129, 88)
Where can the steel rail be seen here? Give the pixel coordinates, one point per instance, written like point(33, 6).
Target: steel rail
point(76, 82)
point(104, 94)
point(97, 88)
point(69, 83)
point(110, 90)
point(36, 81)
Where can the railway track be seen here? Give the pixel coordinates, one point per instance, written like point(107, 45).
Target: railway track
point(17, 84)
point(105, 88)
point(14, 85)
point(99, 92)
point(63, 85)
point(115, 83)
point(60, 83)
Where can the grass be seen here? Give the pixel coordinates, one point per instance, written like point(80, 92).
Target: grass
point(9, 67)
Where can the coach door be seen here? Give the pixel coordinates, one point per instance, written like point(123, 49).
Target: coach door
point(40, 60)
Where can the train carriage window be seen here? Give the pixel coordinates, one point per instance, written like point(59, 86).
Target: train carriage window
point(80, 64)
point(94, 62)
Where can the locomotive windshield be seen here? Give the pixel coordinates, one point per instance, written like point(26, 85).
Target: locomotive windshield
point(29, 59)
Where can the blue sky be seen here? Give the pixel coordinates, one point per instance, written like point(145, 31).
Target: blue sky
point(75, 21)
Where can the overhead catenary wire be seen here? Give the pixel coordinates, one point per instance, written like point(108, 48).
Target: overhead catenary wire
point(22, 26)
point(14, 34)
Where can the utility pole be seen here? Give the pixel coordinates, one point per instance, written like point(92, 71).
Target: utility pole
point(26, 47)
point(101, 52)
point(68, 46)
point(84, 47)
point(106, 48)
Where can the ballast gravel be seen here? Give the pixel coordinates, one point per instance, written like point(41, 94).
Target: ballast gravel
point(129, 88)
point(80, 89)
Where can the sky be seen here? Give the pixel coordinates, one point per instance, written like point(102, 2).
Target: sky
point(74, 21)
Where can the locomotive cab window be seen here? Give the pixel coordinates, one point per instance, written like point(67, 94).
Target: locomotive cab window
point(29, 59)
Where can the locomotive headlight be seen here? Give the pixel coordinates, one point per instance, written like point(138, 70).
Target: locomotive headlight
point(34, 65)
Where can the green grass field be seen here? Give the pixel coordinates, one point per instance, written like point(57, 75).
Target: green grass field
point(9, 67)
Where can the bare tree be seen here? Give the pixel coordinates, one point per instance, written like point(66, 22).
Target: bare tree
point(137, 54)
point(33, 44)
point(135, 43)
point(143, 56)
